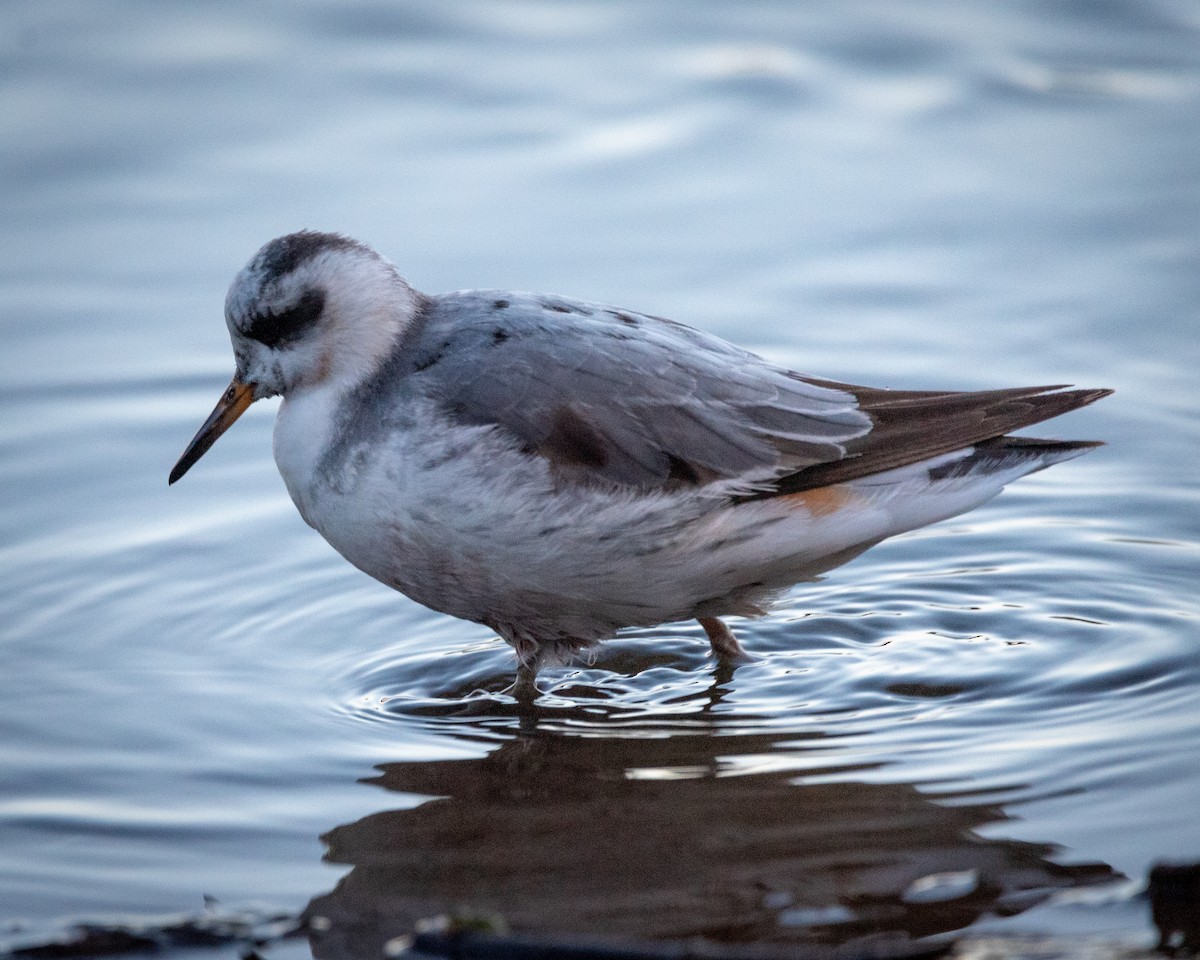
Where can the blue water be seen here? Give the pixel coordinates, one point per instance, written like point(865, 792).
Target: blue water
point(198, 697)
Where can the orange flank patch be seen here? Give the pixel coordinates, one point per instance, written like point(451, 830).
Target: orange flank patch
point(823, 501)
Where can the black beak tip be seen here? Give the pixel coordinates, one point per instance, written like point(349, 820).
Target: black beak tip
point(183, 466)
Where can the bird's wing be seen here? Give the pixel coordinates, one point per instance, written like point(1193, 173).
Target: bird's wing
point(908, 426)
point(612, 395)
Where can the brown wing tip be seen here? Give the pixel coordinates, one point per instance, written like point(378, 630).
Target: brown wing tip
point(910, 426)
point(1056, 402)
point(1086, 395)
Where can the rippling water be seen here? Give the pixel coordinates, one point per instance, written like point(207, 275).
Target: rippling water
point(197, 697)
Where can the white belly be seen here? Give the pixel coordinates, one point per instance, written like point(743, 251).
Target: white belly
point(462, 522)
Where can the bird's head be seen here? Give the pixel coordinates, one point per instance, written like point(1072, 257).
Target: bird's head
point(309, 310)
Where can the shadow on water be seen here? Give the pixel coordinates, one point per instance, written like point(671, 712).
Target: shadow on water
point(601, 823)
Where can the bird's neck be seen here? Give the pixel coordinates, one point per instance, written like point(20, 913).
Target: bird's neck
point(357, 345)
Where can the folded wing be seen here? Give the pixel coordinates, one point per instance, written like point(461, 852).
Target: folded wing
point(614, 396)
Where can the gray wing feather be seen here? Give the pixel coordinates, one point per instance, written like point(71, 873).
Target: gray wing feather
point(622, 396)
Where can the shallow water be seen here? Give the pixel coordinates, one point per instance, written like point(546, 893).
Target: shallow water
point(965, 728)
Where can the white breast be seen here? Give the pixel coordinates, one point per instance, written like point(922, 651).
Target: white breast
point(302, 431)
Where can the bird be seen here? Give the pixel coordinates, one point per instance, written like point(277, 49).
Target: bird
point(559, 470)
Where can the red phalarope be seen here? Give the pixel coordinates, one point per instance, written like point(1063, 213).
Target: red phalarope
point(558, 470)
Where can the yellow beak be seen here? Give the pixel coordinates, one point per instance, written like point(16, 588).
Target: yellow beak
point(233, 404)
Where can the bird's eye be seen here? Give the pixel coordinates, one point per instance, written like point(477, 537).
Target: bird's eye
point(279, 329)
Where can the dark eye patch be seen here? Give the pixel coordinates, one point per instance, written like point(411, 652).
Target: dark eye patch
point(279, 329)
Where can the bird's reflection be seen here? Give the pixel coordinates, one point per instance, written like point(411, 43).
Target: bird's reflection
point(638, 830)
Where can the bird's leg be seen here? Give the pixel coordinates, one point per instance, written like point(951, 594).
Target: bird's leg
point(524, 687)
point(725, 645)
point(526, 677)
point(530, 655)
